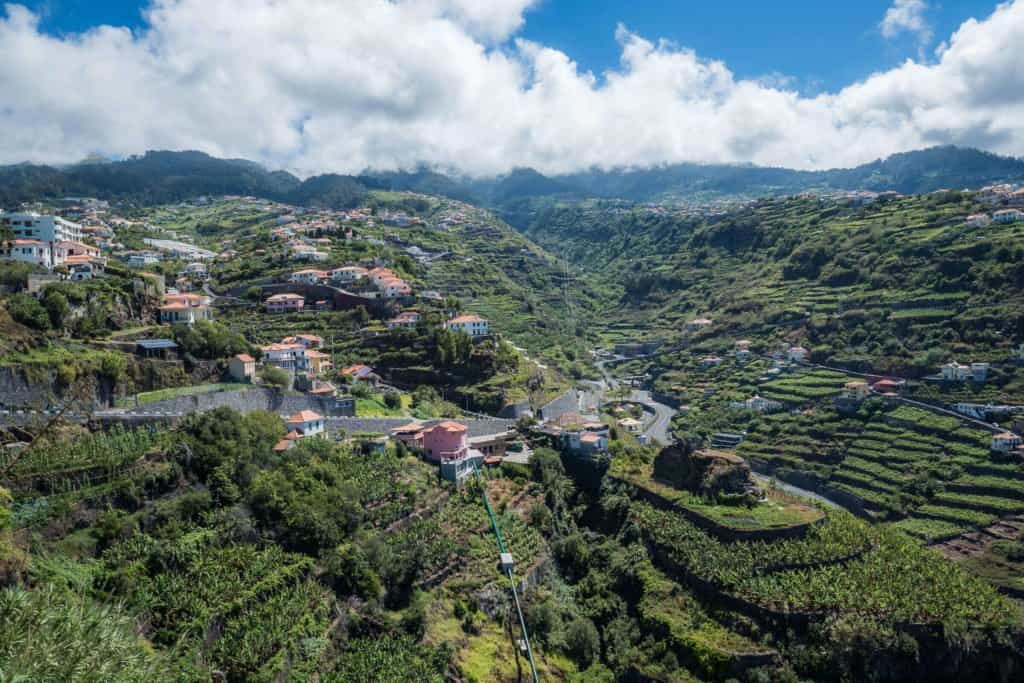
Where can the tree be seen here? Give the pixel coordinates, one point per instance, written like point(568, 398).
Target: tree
point(275, 377)
point(26, 310)
point(210, 340)
point(57, 307)
point(583, 641)
point(393, 400)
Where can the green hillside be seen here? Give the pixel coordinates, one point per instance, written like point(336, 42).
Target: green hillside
point(895, 286)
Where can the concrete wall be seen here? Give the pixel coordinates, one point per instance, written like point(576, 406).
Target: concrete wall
point(566, 403)
point(244, 401)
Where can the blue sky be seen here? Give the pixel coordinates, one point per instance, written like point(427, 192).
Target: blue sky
point(821, 44)
point(484, 86)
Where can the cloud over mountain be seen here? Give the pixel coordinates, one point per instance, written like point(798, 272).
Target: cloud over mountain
point(341, 85)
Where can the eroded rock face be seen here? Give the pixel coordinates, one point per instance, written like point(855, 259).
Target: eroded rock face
point(706, 473)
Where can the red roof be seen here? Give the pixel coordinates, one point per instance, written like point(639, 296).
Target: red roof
point(450, 426)
point(466, 319)
point(305, 416)
point(283, 445)
point(245, 358)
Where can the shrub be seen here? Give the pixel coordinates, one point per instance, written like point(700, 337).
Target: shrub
point(29, 312)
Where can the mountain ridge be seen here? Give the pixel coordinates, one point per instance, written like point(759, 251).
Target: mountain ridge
point(160, 176)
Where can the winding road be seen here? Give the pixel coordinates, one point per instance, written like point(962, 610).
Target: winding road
point(658, 429)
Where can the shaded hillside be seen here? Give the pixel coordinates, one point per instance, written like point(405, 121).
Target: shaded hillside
point(901, 285)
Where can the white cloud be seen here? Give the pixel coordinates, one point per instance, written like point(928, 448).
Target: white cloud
point(342, 85)
point(907, 16)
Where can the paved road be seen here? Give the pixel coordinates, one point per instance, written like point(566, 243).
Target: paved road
point(797, 491)
point(658, 429)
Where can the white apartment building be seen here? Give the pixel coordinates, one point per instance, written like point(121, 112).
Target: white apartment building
point(33, 226)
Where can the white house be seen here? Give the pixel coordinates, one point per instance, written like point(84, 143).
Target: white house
point(84, 269)
point(979, 371)
point(631, 425)
point(698, 324)
point(405, 319)
point(471, 324)
point(142, 258)
point(307, 423)
point(978, 220)
point(29, 251)
point(955, 372)
point(309, 276)
point(307, 253)
point(758, 404)
point(796, 354)
point(287, 356)
point(185, 309)
point(394, 287)
point(1006, 216)
point(348, 273)
point(195, 271)
point(1005, 442)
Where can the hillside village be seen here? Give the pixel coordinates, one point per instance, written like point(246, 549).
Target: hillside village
point(415, 356)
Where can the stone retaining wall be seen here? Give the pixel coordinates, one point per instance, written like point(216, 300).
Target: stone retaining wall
point(244, 401)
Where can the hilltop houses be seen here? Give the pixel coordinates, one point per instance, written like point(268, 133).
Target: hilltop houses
point(1006, 442)
point(404, 320)
point(445, 443)
point(50, 241)
point(957, 372)
point(307, 423)
point(796, 354)
point(285, 303)
point(305, 252)
point(360, 373)
point(303, 424)
point(348, 274)
point(888, 386)
point(978, 220)
point(857, 390)
point(28, 251)
point(298, 353)
point(471, 324)
point(185, 309)
point(1007, 216)
point(742, 350)
point(242, 368)
point(581, 435)
point(758, 404)
point(309, 276)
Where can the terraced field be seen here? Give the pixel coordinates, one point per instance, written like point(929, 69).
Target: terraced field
point(805, 387)
point(931, 475)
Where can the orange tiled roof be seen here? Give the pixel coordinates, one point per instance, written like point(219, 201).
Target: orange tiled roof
point(305, 416)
